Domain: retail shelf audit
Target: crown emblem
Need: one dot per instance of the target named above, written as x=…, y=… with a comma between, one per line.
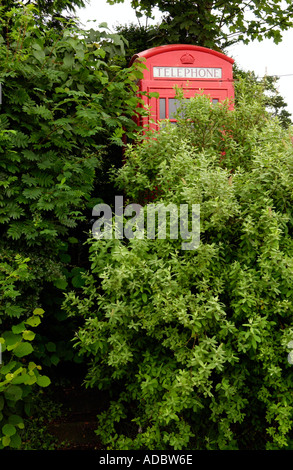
x=187, y=59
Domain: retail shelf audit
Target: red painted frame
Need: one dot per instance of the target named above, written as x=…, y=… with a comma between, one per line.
x=184, y=55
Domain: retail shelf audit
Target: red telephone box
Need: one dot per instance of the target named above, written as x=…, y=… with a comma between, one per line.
x=192, y=68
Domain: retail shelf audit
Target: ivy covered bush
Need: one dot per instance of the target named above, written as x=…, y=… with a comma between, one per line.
x=193, y=346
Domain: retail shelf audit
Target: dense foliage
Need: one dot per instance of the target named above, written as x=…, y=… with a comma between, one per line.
x=193, y=346
x=273, y=100
x=215, y=23
x=18, y=376
x=52, y=12
x=64, y=101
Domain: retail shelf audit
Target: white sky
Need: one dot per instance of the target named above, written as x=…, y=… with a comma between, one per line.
x=260, y=57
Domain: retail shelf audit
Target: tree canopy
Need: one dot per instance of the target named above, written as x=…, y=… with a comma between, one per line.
x=216, y=22
x=54, y=12
x=48, y=6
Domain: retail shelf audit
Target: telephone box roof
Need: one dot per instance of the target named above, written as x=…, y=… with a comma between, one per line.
x=176, y=47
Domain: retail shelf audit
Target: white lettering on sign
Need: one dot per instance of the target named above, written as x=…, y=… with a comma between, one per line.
x=187, y=72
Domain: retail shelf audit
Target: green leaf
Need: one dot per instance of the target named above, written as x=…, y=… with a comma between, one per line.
x=15, y=442
x=68, y=60
x=38, y=311
x=11, y=339
x=23, y=349
x=39, y=55
x=78, y=281
x=60, y=284
x=16, y=420
x=103, y=25
x=18, y=328
x=21, y=379
x=6, y=441
x=14, y=311
x=51, y=347
x=8, y=430
x=43, y=381
x=33, y=321
x=55, y=359
x=28, y=335
x=8, y=367
x=72, y=240
x=154, y=94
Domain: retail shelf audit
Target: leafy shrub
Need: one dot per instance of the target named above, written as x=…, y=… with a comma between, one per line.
x=193, y=345
x=18, y=375
x=62, y=104
x=64, y=101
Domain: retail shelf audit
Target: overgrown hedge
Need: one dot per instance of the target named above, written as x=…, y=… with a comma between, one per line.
x=64, y=101
x=193, y=346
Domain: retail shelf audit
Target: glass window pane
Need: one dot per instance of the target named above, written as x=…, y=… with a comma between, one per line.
x=162, y=108
x=173, y=106
x=215, y=100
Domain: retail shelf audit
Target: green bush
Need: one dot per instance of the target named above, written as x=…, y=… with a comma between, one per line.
x=64, y=102
x=193, y=345
x=18, y=375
